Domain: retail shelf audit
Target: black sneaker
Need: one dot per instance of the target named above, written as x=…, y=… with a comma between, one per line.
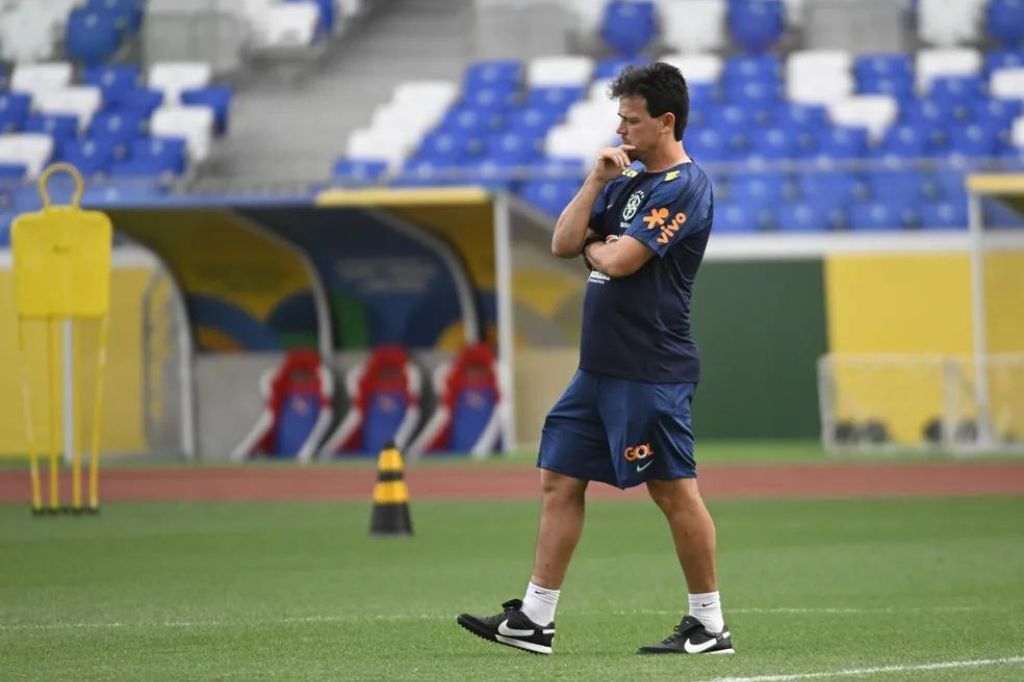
x=511, y=628
x=690, y=637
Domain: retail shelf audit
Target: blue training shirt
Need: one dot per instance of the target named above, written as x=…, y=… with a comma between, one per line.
x=638, y=327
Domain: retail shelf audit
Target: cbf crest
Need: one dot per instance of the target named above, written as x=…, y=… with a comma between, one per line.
x=636, y=199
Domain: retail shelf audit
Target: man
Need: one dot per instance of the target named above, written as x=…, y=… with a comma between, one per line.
x=625, y=417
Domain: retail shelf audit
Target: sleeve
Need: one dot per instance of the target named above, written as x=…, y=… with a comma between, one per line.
x=596, y=222
x=672, y=212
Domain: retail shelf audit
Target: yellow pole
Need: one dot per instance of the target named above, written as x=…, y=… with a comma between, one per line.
x=33, y=451
x=54, y=384
x=94, y=454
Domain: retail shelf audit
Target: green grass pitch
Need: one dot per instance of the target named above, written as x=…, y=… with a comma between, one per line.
x=293, y=591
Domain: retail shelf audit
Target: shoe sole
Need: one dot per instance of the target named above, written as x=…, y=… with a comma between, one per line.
x=641, y=652
x=481, y=632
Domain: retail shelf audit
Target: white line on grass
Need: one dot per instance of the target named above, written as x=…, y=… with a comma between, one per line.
x=854, y=672
x=399, y=617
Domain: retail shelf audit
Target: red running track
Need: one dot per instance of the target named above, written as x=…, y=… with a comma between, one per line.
x=442, y=481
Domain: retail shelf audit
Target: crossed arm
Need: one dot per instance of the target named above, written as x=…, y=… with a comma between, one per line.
x=617, y=257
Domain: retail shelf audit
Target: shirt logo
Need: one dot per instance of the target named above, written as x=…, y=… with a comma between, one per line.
x=671, y=175
x=668, y=231
x=633, y=205
x=657, y=218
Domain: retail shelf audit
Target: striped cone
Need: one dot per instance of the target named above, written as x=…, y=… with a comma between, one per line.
x=390, y=496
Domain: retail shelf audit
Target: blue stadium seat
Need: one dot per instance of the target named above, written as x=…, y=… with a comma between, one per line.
x=14, y=108
x=444, y=147
x=997, y=113
x=756, y=25
x=841, y=142
x=973, y=141
x=499, y=74
x=883, y=65
x=550, y=196
x=900, y=89
x=802, y=217
x=762, y=67
x=944, y=215
x=830, y=188
x=92, y=36
x=754, y=93
x=532, y=120
x=774, y=144
x=553, y=98
x=164, y=155
x=12, y=171
x=359, y=171
x=88, y=156
x=120, y=128
x=62, y=127
x=708, y=145
x=805, y=117
x=425, y=173
x=736, y=218
x=761, y=187
x=949, y=185
x=957, y=95
x=553, y=168
x=627, y=26
x=1004, y=21
x=1003, y=59
x=610, y=67
x=875, y=216
x=896, y=186
x=488, y=99
x=218, y=98
x=903, y=141
x=468, y=121
x=514, y=148
x=141, y=101
x=113, y=79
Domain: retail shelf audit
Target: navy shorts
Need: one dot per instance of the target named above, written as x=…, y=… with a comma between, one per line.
x=619, y=432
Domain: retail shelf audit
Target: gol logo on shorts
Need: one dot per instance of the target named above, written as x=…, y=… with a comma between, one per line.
x=642, y=451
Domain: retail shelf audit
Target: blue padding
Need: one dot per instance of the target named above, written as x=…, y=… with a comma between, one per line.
x=299, y=412
x=628, y=26
x=756, y=25
x=470, y=415
x=383, y=417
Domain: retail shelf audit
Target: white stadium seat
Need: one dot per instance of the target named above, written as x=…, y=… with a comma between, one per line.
x=803, y=62
x=288, y=25
x=570, y=141
x=36, y=78
x=1007, y=83
x=698, y=67
x=932, y=64
x=370, y=144
x=81, y=100
x=30, y=32
x=693, y=25
x=194, y=123
x=172, y=78
x=32, y=150
x=559, y=71
x=874, y=112
x=1017, y=134
x=948, y=23
x=425, y=93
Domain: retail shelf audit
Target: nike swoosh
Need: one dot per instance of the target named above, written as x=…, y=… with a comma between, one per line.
x=699, y=648
x=504, y=629
x=641, y=468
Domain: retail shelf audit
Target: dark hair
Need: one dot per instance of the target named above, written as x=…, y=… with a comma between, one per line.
x=662, y=85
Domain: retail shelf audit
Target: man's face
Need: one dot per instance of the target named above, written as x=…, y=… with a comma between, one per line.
x=638, y=128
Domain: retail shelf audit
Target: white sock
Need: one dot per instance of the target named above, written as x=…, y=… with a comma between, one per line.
x=707, y=608
x=539, y=604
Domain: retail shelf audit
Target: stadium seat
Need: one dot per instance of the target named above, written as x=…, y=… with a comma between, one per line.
x=172, y=78
x=731, y=218
x=875, y=113
x=163, y=157
x=502, y=74
x=195, y=124
x=874, y=216
x=1003, y=59
x=89, y=156
x=559, y=71
x=549, y=196
x=60, y=127
x=693, y=26
x=760, y=67
x=217, y=98
x=610, y=67
x=467, y=418
x=903, y=141
x=14, y=108
x=284, y=26
x=112, y=79
x=119, y=128
x=1004, y=21
x=384, y=396
x=756, y=25
x=696, y=67
x=92, y=36
x=82, y=101
x=358, y=171
x=947, y=23
x=298, y=398
x=842, y=143
x=943, y=215
x=627, y=26
x=932, y=64
x=802, y=217
x=39, y=77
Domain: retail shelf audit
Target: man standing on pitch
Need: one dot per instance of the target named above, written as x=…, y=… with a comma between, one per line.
x=625, y=417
